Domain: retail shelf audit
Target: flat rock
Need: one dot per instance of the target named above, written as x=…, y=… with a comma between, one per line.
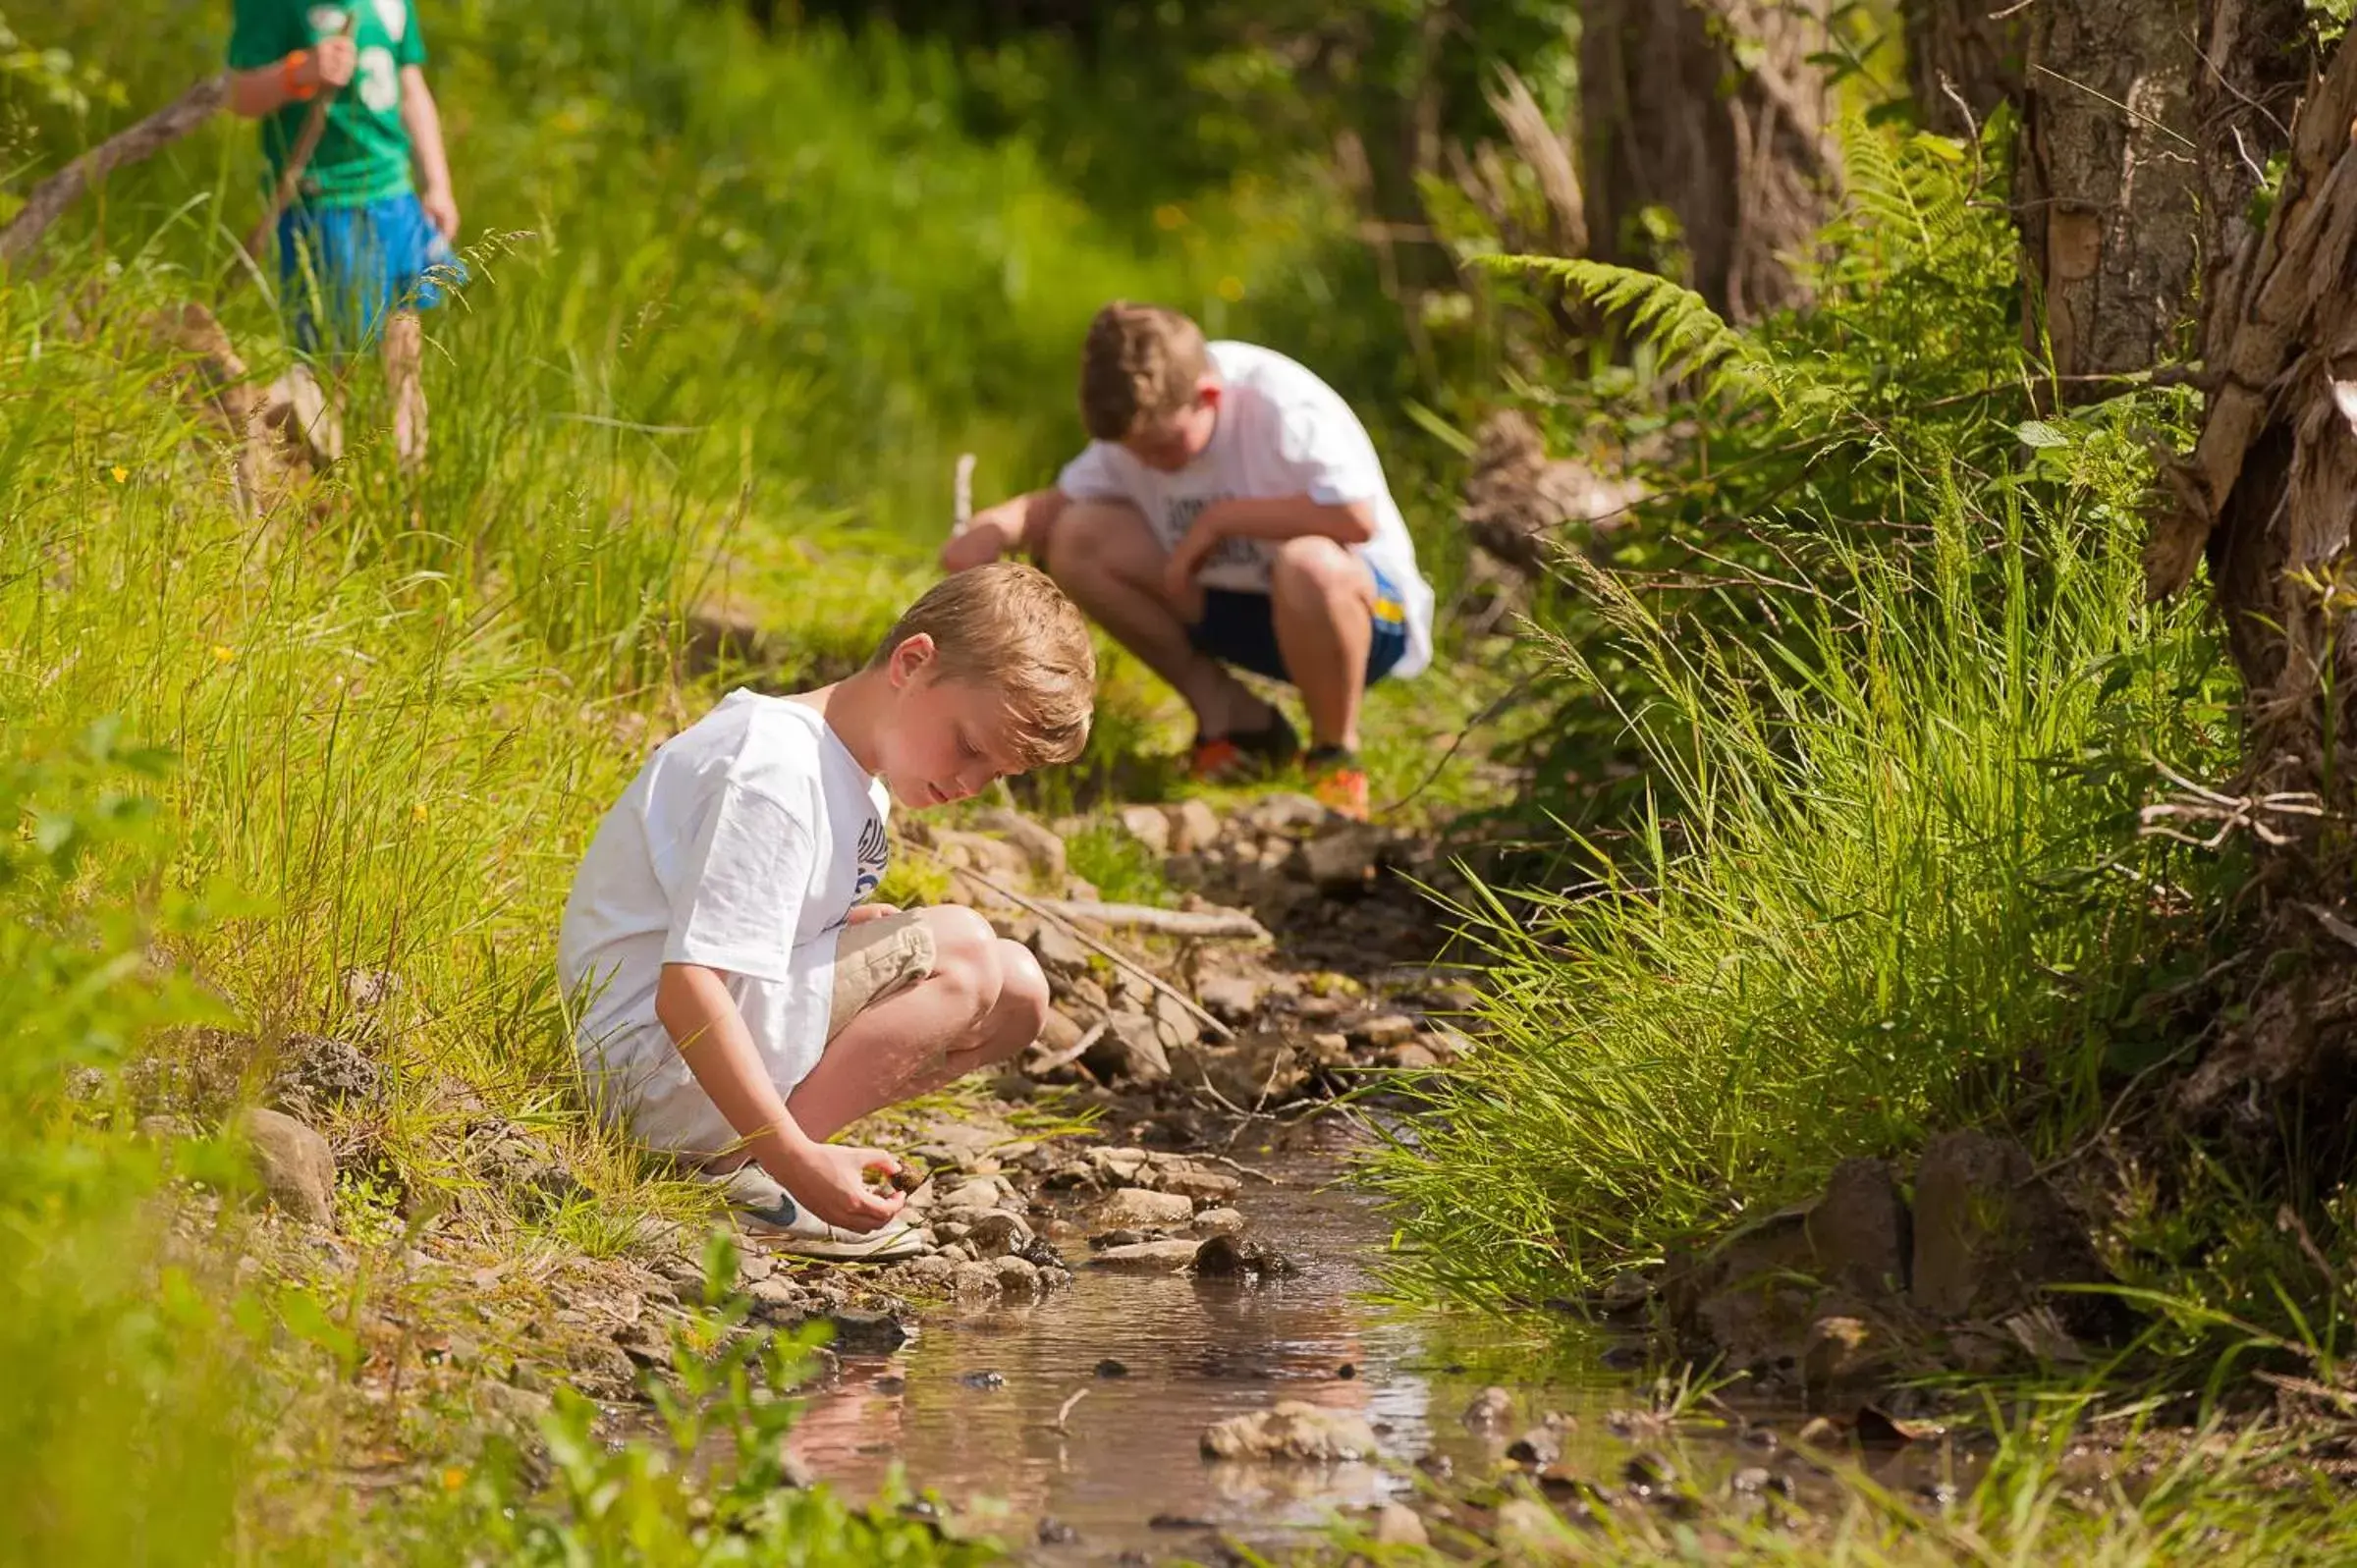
x=1149, y=1257
x=1231, y=999
x=866, y=1333
x=970, y=1277
x=1194, y=826
x=1292, y=1430
x=298, y=1172
x=1198, y=1182
x=1281, y=812
x=1042, y=850
x=1341, y=859
x=1148, y=826
x=967, y=1199
x=1220, y=1222
x=1014, y=1275
x=1859, y=1233
x=1398, y=1525
x=1060, y=954
x=1137, y=1209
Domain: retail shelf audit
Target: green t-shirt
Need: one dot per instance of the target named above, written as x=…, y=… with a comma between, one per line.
x=364, y=153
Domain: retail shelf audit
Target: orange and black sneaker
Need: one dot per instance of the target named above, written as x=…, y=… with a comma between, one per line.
x=1338, y=782
x=1245, y=753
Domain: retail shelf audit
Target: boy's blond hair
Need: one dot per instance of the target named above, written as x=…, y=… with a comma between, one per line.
x=1008, y=626
x=1140, y=364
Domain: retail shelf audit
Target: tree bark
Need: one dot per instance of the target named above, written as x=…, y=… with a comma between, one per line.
x=2107, y=186
x=2271, y=492
x=1965, y=59
x=1730, y=140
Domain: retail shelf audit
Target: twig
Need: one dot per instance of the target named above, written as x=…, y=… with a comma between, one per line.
x=961, y=493
x=1193, y=924
x=1495, y=708
x=1095, y=944
x=1066, y=1409
x=1070, y=1054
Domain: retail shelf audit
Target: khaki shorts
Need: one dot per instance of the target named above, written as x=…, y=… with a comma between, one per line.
x=876, y=959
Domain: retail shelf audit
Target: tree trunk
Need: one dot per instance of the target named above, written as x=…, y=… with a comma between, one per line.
x=2270, y=490
x=1712, y=110
x=2255, y=61
x=1963, y=61
x=2107, y=186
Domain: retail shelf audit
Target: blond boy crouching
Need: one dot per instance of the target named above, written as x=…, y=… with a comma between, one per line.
x=744, y=1003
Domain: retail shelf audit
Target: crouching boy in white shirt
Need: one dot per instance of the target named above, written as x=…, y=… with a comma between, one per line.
x=741, y=1004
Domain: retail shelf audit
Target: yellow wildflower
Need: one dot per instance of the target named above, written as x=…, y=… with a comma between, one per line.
x=417, y=811
x=122, y=474
x=223, y=653
x=453, y=1479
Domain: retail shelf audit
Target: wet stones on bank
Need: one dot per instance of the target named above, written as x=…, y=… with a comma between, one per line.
x=480, y=1259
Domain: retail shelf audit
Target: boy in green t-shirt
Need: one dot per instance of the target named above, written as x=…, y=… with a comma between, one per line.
x=367, y=238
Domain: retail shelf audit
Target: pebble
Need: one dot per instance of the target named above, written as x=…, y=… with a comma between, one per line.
x=998, y=1233
x=983, y=1378
x=1490, y=1407
x=972, y=1278
x=1015, y=1275
x=1220, y=1222
x=1110, y=1368
x=1054, y=1531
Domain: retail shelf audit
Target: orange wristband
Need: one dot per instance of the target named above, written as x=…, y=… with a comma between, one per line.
x=293, y=62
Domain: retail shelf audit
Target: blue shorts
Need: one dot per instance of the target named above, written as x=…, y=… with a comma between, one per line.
x=347, y=268
x=1239, y=628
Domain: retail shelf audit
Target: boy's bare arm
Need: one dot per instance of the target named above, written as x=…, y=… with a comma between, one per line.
x=693, y=1003
x=422, y=117
x=1018, y=521
x=303, y=73
x=1348, y=522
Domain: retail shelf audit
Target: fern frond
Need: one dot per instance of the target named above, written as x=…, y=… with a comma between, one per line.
x=1672, y=319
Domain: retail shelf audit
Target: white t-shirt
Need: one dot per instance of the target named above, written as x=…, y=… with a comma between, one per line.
x=743, y=846
x=1282, y=432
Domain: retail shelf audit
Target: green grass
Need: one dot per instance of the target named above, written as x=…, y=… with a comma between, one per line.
x=736, y=305
x=1893, y=883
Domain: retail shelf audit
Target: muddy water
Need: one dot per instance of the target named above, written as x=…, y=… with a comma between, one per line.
x=970, y=1409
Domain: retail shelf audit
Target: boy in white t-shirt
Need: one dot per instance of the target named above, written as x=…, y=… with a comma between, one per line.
x=1229, y=511
x=739, y=1003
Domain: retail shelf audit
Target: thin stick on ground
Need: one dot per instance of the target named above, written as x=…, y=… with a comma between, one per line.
x=1095, y=944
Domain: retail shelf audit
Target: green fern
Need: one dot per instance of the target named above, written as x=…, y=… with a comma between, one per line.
x=1673, y=320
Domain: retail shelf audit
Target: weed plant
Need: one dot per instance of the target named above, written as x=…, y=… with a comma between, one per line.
x=1883, y=876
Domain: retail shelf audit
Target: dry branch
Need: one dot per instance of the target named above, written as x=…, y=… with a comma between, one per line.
x=53, y=195
x=1193, y=924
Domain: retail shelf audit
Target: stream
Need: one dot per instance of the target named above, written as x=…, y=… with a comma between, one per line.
x=969, y=1409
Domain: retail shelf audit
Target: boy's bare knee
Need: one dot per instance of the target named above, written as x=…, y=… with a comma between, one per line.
x=1093, y=539
x=1314, y=566
x=964, y=952
x=1022, y=990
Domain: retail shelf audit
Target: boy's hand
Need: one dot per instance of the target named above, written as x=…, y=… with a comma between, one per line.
x=830, y=1180
x=333, y=60
x=862, y=914
x=441, y=210
x=978, y=545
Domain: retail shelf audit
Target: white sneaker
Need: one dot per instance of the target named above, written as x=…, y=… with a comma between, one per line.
x=767, y=1211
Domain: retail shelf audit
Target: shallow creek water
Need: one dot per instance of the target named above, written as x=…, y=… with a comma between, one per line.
x=1125, y=1472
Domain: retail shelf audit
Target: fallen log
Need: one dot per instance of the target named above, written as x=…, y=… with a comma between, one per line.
x=1193, y=924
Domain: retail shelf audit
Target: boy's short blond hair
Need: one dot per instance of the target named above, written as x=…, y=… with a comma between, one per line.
x=1008, y=626
x=1140, y=364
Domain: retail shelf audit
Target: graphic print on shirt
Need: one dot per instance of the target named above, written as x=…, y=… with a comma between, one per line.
x=1179, y=515
x=874, y=852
